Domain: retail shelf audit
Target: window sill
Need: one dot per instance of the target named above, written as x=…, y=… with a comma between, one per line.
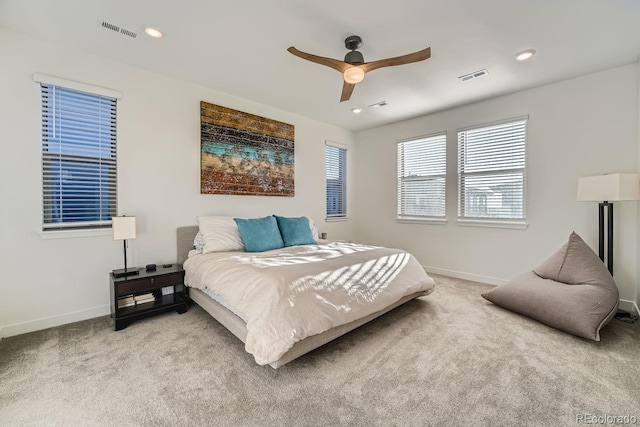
x=518, y=225
x=429, y=221
x=72, y=234
x=336, y=219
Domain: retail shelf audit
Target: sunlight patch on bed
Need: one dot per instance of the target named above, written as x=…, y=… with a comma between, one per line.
x=362, y=282
x=301, y=254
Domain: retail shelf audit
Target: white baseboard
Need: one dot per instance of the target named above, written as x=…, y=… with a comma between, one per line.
x=624, y=304
x=465, y=276
x=50, y=322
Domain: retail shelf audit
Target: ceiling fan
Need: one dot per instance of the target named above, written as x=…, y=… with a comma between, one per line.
x=353, y=67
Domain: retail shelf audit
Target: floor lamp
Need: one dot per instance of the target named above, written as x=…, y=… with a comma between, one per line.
x=605, y=189
x=124, y=228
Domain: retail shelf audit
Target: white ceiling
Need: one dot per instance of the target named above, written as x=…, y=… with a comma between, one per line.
x=239, y=46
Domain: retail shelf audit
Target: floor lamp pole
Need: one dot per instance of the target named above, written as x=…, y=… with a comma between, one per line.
x=601, y=209
x=125, y=256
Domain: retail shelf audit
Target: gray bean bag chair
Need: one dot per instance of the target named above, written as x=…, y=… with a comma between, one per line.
x=572, y=291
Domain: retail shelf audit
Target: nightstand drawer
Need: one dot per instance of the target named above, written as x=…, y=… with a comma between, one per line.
x=142, y=284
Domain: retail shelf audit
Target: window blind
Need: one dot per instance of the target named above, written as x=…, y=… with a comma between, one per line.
x=78, y=158
x=491, y=171
x=421, y=177
x=336, y=171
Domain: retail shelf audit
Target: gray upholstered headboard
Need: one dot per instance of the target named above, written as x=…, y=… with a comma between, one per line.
x=185, y=236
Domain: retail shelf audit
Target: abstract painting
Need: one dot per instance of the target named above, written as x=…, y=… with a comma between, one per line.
x=241, y=153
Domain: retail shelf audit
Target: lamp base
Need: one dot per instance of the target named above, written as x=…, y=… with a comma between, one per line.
x=130, y=271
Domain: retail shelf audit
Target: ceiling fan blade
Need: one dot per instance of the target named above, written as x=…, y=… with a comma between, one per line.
x=329, y=62
x=347, y=90
x=421, y=55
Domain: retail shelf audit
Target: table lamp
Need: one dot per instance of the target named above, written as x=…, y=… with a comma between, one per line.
x=124, y=228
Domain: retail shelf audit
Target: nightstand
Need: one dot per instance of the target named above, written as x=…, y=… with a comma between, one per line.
x=156, y=292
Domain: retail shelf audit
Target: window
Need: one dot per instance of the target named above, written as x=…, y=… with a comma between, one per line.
x=491, y=172
x=336, y=170
x=78, y=158
x=421, y=177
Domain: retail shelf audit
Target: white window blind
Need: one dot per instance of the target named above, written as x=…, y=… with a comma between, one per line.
x=491, y=171
x=336, y=170
x=421, y=177
x=78, y=158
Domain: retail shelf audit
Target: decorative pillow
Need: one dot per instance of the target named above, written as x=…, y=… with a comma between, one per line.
x=198, y=245
x=259, y=234
x=571, y=291
x=198, y=241
x=220, y=234
x=295, y=231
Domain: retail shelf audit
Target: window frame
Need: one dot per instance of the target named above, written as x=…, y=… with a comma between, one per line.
x=516, y=223
x=342, y=216
x=424, y=219
x=50, y=229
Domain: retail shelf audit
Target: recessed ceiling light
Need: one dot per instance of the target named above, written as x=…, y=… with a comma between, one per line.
x=356, y=110
x=525, y=54
x=153, y=32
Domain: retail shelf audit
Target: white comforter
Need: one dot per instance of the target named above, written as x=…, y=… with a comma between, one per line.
x=288, y=294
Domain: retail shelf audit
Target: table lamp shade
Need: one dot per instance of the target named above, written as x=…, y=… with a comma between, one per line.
x=611, y=188
x=123, y=227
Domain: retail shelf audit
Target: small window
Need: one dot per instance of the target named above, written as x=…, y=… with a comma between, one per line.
x=336, y=170
x=491, y=172
x=421, y=177
x=78, y=159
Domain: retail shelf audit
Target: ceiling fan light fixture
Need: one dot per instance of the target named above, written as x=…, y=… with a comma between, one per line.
x=353, y=68
x=525, y=54
x=353, y=75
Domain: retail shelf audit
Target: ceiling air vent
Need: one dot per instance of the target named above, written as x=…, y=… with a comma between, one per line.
x=473, y=75
x=109, y=26
x=378, y=104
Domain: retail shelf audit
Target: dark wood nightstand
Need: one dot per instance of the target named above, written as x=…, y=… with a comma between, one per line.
x=124, y=289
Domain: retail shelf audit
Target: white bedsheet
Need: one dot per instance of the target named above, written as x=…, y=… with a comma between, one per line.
x=288, y=294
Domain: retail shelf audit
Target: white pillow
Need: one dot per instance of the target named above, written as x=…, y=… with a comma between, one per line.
x=220, y=234
x=314, y=230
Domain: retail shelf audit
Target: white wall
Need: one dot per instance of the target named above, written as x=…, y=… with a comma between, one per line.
x=578, y=127
x=50, y=282
x=637, y=297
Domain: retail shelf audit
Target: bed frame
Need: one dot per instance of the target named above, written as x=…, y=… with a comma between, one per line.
x=238, y=327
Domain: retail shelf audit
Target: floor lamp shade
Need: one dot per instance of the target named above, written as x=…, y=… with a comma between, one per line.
x=615, y=187
x=124, y=228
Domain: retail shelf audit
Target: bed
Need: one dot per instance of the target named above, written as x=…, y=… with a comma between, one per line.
x=240, y=320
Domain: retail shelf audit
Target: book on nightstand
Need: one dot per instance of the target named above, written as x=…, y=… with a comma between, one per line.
x=126, y=302
x=144, y=298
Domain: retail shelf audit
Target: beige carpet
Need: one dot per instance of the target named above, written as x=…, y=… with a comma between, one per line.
x=447, y=359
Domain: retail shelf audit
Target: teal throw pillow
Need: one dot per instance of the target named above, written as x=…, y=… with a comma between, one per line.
x=295, y=231
x=259, y=234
